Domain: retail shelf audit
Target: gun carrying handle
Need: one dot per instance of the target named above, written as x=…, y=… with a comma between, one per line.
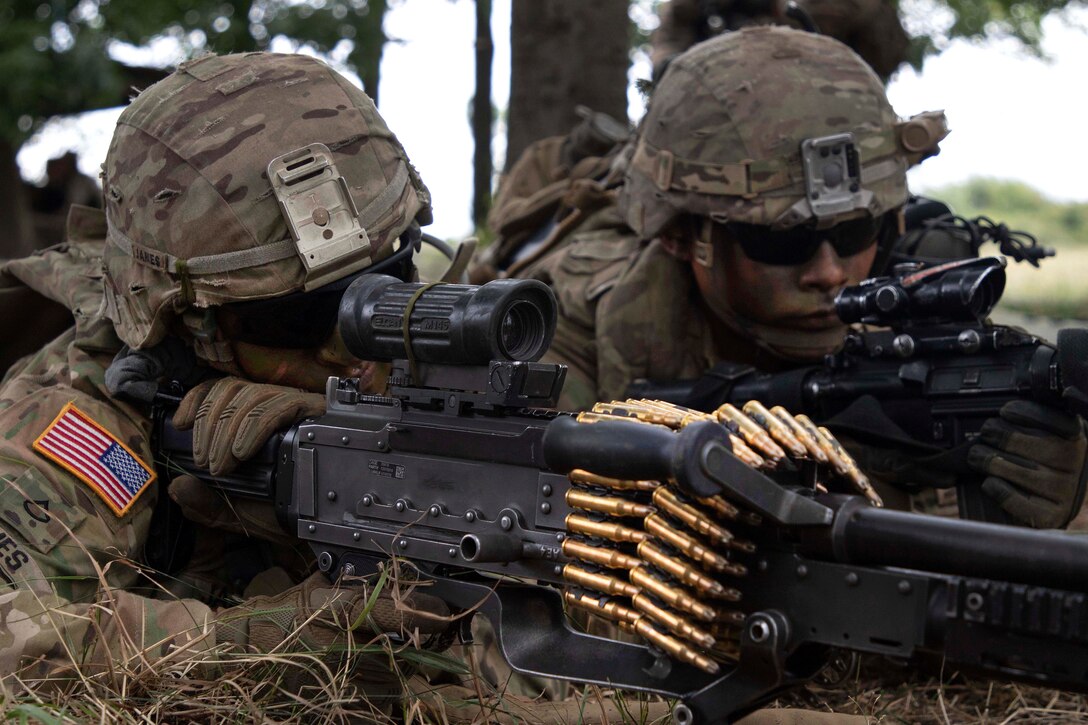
x=617, y=449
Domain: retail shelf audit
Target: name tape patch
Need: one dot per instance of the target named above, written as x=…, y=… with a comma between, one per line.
x=95, y=456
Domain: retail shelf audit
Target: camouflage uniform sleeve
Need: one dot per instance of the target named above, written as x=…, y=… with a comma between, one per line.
x=67, y=556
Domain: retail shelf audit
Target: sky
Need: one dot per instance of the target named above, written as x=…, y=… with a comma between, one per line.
x=1013, y=116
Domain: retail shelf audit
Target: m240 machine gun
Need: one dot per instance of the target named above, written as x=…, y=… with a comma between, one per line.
x=724, y=568
x=925, y=372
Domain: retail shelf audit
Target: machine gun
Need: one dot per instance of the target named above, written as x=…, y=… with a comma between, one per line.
x=740, y=581
x=936, y=366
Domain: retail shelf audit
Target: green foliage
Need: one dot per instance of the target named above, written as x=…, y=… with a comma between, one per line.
x=986, y=19
x=1053, y=223
x=54, y=56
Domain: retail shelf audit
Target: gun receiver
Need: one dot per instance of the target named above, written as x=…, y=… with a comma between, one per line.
x=937, y=367
x=740, y=584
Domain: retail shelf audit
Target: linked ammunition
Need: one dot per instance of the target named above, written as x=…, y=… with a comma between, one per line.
x=606, y=504
x=753, y=434
x=599, y=555
x=642, y=412
x=671, y=595
x=675, y=623
x=684, y=572
x=598, y=582
x=675, y=648
x=811, y=444
x=604, y=530
x=690, y=516
x=851, y=470
x=687, y=545
x=633, y=621
x=618, y=484
x=679, y=416
x=778, y=430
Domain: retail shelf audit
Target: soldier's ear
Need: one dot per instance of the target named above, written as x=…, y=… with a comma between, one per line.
x=677, y=238
x=679, y=248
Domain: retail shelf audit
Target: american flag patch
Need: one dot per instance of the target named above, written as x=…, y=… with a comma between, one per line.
x=96, y=457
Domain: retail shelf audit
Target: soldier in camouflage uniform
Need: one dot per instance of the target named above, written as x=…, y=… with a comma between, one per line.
x=743, y=225
x=207, y=264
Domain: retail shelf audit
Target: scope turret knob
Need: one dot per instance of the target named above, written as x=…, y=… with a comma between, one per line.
x=969, y=341
x=889, y=298
x=903, y=345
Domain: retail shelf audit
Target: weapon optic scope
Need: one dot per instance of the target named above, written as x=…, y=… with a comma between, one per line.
x=965, y=290
x=453, y=324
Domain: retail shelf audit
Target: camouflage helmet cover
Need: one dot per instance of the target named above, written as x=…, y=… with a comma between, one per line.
x=723, y=134
x=193, y=220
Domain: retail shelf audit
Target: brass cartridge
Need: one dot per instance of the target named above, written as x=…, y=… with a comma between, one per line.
x=671, y=595
x=810, y=442
x=690, y=516
x=686, y=544
x=604, y=529
x=673, y=622
x=674, y=647
x=599, y=555
x=752, y=433
x=683, y=572
x=606, y=504
x=592, y=479
x=609, y=608
x=778, y=430
x=598, y=582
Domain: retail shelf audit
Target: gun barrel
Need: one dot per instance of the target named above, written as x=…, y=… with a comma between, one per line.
x=865, y=535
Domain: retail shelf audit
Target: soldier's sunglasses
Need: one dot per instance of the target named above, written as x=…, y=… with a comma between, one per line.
x=797, y=245
x=299, y=320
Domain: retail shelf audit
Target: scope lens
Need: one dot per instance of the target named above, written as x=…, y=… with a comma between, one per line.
x=521, y=332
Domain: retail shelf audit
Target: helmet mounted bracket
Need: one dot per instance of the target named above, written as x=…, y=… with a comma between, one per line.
x=318, y=208
x=832, y=170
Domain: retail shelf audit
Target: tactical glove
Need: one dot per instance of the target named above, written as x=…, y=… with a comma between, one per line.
x=1034, y=460
x=233, y=418
x=332, y=622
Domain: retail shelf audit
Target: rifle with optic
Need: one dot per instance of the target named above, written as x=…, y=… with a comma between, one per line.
x=928, y=362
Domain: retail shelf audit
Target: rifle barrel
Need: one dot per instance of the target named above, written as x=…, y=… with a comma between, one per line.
x=864, y=535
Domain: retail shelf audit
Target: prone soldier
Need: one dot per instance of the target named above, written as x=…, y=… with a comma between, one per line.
x=242, y=194
x=768, y=174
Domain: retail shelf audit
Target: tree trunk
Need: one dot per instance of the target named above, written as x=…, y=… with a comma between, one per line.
x=482, y=117
x=18, y=239
x=565, y=53
x=370, y=41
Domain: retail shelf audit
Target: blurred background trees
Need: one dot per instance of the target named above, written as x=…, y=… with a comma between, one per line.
x=61, y=57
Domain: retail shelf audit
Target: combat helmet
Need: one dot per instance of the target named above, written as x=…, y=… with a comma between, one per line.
x=247, y=177
x=774, y=127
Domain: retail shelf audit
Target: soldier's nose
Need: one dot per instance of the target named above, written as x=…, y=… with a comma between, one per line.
x=825, y=271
